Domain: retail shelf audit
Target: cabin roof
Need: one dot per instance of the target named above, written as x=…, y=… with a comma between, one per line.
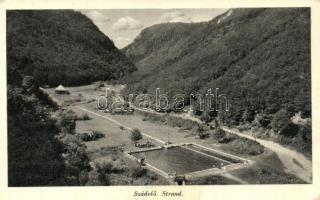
x=61, y=88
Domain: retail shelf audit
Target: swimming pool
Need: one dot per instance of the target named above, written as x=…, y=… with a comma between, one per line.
x=183, y=159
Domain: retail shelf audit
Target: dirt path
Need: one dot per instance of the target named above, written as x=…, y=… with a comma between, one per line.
x=295, y=162
x=232, y=177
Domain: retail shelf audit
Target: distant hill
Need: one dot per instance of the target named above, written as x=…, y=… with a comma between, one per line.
x=259, y=58
x=61, y=47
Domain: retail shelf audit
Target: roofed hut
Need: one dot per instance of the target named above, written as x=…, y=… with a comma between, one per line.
x=61, y=90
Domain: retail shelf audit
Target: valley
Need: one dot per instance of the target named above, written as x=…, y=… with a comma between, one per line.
x=60, y=63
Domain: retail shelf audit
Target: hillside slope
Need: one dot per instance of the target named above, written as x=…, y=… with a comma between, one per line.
x=259, y=58
x=61, y=47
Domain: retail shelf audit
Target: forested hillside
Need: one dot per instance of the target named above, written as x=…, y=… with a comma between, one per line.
x=258, y=58
x=55, y=47
x=61, y=47
x=42, y=150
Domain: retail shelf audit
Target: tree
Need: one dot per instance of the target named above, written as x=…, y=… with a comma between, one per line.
x=135, y=135
x=280, y=121
x=96, y=178
x=262, y=120
x=75, y=159
x=30, y=84
x=196, y=107
x=219, y=133
x=201, y=131
x=303, y=141
x=205, y=117
x=248, y=115
x=66, y=121
x=34, y=154
x=306, y=131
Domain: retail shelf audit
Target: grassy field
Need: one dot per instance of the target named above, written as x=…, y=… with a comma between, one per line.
x=114, y=136
x=267, y=169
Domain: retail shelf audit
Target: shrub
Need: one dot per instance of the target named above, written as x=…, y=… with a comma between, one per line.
x=84, y=116
x=219, y=133
x=227, y=138
x=205, y=117
x=137, y=172
x=201, y=131
x=118, y=166
x=169, y=120
x=182, y=123
x=135, y=135
x=246, y=146
x=68, y=114
x=203, y=135
x=98, y=85
x=94, y=135
x=83, y=177
x=95, y=178
x=290, y=130
x=30, y=84
x=83, y=136
x=262, y=120
x=153, y=118
x=97, y=134
x=283, y=140
x=280, y=121
x=103, y=165
x=211, y=180
x=303, y=141
x=66, y=121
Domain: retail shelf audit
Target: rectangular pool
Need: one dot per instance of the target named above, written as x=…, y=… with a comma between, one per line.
x=181, y=159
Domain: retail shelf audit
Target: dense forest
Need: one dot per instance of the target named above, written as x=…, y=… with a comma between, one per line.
x=42, y=149
x=61, y=47
x=258, y=58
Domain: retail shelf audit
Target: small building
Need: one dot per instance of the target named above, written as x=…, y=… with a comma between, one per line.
x=61, y=90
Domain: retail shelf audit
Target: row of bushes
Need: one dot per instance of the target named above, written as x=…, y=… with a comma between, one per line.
x=238, y=144
x=173, y=121
x=91, y=136
x=69, y=114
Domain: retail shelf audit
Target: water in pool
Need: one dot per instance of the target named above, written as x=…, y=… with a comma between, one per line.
x=180, y=160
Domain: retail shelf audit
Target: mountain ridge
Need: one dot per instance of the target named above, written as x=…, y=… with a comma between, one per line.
x=61, y=47
x=263, y=46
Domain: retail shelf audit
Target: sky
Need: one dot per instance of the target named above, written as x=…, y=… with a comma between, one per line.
x=123, y=26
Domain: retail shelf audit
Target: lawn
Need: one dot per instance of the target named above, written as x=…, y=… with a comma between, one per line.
x=268, y=169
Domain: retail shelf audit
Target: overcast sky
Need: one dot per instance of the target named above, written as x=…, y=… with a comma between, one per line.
x=122, y=26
